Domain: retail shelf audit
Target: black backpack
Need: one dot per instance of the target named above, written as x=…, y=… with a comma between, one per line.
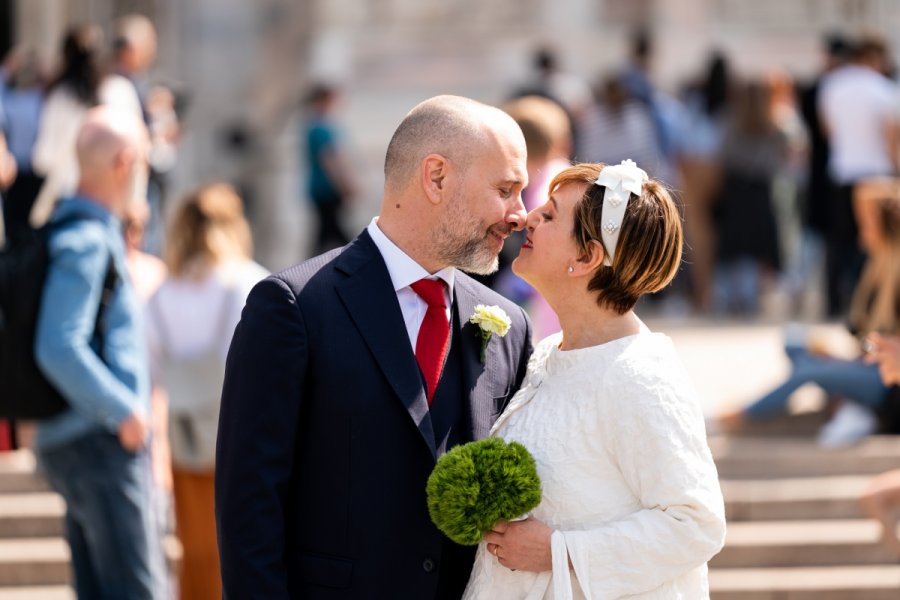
x=24, y=391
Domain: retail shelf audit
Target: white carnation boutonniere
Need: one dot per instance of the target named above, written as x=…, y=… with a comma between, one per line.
x=490, y=320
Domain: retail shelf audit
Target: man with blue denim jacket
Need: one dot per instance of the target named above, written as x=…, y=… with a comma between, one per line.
x=95, y=453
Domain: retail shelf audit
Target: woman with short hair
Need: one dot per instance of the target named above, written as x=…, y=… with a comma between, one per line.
x=631, y=505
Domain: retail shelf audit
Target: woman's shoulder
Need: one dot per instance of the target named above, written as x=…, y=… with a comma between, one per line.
x=116, y=84
x=62, y=103
x=648, y=361
x=240, y=274
x=118, y=92
x=648, y=384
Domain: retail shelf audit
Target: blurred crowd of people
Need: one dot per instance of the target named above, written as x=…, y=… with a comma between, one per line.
x=776, y=178
x=84, y=150
x=765, y=166
x=41, y=108
x=789, y=190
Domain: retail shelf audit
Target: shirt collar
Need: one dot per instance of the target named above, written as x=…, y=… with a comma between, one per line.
x=403, y=270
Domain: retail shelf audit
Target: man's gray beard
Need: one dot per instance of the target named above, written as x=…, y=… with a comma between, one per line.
x=472, y=256
x=470, y=250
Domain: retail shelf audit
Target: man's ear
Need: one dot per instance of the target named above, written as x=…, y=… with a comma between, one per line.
x=124, y=159
x=434, y=170
x=590, y=261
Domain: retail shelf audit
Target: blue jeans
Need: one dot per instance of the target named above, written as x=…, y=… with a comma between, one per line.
x=853, y=380
x=116, y=550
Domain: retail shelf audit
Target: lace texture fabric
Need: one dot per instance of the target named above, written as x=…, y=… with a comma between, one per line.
x=629, y=485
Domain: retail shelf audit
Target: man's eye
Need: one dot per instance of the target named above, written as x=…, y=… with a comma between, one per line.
x=505, y=193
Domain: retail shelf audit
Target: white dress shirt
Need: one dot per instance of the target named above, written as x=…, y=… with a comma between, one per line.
x=405, y=271
x=858, y=104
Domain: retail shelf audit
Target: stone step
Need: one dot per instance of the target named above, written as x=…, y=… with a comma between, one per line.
x=34, y=561
x=802, y=543
x=791, y=426
x=45, y=561
x=37, y=514
x=801, y=498
x=871, y=582
x=17, y=473
x=743, y=458
x=42, y=592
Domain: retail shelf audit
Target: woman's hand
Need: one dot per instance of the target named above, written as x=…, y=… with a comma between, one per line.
x=521, y=545
x=885, y=350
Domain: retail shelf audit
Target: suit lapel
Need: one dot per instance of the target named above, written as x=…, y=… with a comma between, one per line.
x=370, y=299
x=475, y=384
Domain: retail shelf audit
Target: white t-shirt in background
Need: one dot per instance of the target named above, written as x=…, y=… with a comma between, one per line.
x=857, y=105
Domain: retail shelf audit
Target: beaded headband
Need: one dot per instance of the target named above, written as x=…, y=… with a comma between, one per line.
x=620, y=181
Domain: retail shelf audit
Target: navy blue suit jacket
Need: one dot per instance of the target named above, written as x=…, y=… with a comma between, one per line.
x=325, y=438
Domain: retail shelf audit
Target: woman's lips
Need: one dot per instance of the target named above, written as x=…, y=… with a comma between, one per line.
x=527, y=243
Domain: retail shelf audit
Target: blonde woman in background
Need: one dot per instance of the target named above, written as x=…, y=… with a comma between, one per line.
x=190, y=321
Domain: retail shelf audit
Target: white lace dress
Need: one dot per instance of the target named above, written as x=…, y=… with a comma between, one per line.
x=629, y=485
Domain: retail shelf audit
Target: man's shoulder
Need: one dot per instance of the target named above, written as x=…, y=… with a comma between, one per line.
x=851, y=79
x=78, y=236
x=314, y=271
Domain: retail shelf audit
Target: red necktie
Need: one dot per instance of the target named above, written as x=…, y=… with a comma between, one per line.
x=434, y=334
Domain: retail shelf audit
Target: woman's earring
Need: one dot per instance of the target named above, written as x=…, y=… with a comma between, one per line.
x=571, y=269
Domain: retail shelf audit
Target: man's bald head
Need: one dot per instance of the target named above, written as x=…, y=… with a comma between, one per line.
x=104, y=134
x=135, y=42
x=112, y=149
x=452, y=126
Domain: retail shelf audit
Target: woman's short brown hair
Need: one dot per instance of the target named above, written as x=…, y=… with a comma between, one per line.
x=209, y=227
x=648, y=253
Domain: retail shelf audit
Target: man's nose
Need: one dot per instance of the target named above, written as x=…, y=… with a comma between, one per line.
x=517, y=215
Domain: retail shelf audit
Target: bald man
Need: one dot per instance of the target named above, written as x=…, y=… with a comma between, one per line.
x=94, y=453
x=134, y=45
x=351, y=373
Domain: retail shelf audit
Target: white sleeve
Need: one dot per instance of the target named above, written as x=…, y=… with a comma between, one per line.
x=657, y=438
x=55, y=133
x=53, y=154
x=154, y=342
x=889, y=104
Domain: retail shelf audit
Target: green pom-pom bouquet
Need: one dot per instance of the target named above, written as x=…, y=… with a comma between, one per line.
x=475, y=485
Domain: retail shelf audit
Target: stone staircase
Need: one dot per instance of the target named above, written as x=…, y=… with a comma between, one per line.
x=795, y=530
x=34, y=557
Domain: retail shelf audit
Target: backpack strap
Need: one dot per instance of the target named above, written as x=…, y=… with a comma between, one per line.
x=109, y=285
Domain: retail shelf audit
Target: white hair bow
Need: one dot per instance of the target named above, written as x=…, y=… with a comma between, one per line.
x=620, y=182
